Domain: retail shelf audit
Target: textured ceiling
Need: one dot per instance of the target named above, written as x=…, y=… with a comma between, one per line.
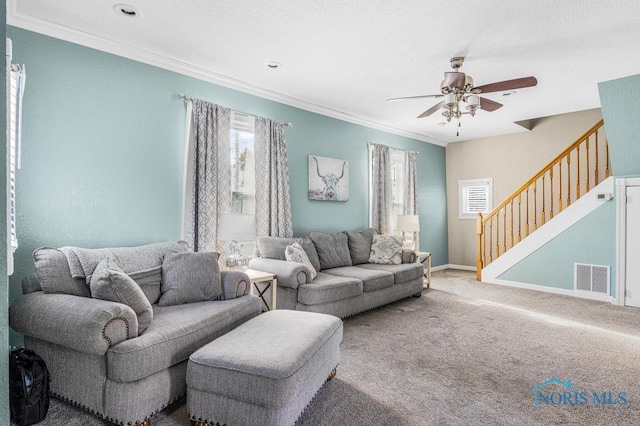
x=345, y=59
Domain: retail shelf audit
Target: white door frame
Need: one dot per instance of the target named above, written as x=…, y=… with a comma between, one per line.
x=621, y=235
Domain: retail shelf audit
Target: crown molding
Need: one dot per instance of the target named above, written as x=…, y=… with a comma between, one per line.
x=165, y=62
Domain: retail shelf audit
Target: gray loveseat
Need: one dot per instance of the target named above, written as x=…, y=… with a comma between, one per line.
x=97, y=356
x=346, y=283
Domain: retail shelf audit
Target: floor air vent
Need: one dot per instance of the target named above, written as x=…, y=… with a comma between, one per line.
x=591, y=278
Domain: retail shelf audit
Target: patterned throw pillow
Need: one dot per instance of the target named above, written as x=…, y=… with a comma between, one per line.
x=295, y=253
x=386, y=250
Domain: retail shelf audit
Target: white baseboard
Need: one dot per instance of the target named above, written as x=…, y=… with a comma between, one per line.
x=452, y=266
x=562, y=291
x=462, y=267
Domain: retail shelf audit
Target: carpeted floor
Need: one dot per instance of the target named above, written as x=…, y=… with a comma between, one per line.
x=468, y=353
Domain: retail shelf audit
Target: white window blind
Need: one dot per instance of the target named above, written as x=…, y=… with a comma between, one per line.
x=474, y=197
x=15, y=88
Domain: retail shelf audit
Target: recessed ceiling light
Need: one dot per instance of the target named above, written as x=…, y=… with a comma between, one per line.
x=273, y=65
x=441, y=124
x=127, y=10
x=509, y=93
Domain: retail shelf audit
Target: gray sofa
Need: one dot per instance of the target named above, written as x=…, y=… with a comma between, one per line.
x=96, y=355
x=346, y=283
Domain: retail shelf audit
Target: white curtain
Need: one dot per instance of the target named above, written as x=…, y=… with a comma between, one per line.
x=273, y=200
x=381, y=189
x=207, y=175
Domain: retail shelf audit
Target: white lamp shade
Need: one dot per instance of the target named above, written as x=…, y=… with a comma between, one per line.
x=408, y=223
x=237, y=227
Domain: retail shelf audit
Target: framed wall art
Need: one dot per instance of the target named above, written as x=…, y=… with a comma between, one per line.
x=328, y=179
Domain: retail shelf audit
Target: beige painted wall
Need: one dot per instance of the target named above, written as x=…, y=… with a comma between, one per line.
x=510, y=160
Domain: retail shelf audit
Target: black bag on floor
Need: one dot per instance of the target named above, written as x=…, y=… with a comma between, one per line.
x=28, y=387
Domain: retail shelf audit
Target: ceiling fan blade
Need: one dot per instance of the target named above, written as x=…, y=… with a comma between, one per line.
x=454, y=80
x=404, y=98
x=518, y=83
x=431, y=110
x=489, y=105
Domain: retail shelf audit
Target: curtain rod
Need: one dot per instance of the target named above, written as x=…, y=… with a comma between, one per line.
x=390, y=147
x=186, y=99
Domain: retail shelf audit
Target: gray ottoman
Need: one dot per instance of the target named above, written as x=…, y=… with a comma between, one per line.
x=265, y=371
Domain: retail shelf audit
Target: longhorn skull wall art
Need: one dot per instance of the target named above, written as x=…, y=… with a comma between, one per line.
x=328, y=179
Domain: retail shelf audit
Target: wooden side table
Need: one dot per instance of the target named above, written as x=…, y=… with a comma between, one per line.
x=425, y=256
x=261, y=282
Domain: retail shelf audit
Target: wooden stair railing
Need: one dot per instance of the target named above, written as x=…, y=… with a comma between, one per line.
x=565, y=179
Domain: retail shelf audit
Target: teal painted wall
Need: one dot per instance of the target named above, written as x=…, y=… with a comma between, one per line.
x=103, y=154
x=591, y=240
x=620, y=110
x=4, y=283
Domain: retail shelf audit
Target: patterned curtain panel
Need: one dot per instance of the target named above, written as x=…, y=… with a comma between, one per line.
x=273, y=201
x=410, y=202
x=381, y=189
x=209, y=176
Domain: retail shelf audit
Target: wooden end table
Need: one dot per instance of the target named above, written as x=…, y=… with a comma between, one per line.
x=261, y=282
x=425, y=256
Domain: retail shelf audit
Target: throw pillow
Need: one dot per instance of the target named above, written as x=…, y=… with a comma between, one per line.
x=190, y=277
x=295, y=253
x=333, y=249
x=386, y=250
x=52, y=268
x=110, y=282
x=360, y=245
x=274, y=248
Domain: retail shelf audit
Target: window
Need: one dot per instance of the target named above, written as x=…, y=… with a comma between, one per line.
x=398, y=179
x=474, y=197
x=399, y=186
x=243, y=185
x=14, y=90
x=243, y=169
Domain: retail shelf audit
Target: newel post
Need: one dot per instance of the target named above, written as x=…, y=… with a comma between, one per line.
x=479, y=232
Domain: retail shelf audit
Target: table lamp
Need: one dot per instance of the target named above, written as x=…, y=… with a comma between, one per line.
x=408, y=223
x=236, y=228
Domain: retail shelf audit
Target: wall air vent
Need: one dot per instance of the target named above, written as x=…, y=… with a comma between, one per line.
x=591, y=278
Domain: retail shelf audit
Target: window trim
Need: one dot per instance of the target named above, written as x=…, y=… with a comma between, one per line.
x=464, y=184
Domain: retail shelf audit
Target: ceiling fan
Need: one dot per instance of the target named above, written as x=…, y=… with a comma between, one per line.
x=457, y=88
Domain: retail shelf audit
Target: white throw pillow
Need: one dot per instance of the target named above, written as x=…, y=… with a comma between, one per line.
x=386, y=250
x=295, y=253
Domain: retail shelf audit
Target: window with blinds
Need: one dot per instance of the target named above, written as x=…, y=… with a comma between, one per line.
x=15, y=87
x=474, y=197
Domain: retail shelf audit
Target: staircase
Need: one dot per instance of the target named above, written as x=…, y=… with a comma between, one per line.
x=574, y=172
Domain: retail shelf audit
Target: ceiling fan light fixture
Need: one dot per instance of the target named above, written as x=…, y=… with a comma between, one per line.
x=450, y=99
x=473, y=102
x=458, y=87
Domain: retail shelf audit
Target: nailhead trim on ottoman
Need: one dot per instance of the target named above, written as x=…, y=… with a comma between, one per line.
x=265, y=371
